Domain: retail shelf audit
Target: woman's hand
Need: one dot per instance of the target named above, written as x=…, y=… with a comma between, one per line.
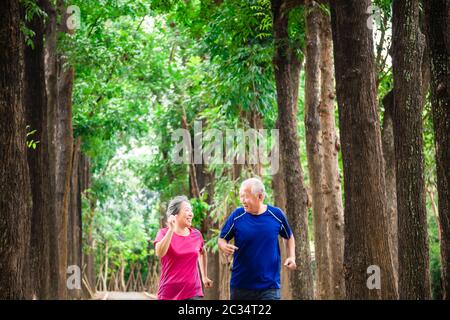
x=208, y=283
x=171, y=223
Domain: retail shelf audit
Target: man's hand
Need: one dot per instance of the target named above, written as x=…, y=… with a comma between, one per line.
x=228, y=249
x=208, y=283
x=290, y=263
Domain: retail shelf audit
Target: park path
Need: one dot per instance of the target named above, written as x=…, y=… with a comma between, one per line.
x=117, y=295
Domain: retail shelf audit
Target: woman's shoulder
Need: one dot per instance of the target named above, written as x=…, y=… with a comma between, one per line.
x=163, y=230
x=195, y=232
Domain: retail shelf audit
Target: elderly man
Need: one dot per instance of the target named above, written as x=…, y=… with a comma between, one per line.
x=255, y=227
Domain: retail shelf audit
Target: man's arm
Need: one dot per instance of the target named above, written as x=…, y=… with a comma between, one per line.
x=225, y=247
x=290, y=250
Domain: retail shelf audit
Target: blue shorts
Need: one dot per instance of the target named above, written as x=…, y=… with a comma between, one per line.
x=246, y=294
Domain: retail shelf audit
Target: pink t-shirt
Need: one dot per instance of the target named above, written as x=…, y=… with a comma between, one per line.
x=180, y=277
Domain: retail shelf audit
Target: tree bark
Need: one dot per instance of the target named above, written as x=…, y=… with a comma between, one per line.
x=279, y=196
x=51, y=74
x=213, y=257
x=287, y=71
x=332, y=179
x=74, y=218
x=255, y=122
x=105, y=273
x=438, y=24
x=64, y=143
x=391, y=187
x=35, y=101
x=408, y=45
x=15, y=190
x=87, y=245
x=366, y=229
x=314, y=149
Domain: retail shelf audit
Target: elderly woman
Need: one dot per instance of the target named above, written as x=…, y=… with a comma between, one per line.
x=180, y=247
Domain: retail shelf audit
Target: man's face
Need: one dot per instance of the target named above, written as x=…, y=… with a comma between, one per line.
x=251, y=202
x=184, y=217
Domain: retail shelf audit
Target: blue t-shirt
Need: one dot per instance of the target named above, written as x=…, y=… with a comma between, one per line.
x=256, y=263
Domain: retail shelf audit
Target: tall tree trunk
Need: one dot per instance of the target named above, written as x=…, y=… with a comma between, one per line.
x=213, y=257
x=15, y=191
x=278, y=186
x=122, y=284
x=438, y=24
x=35, y=100
x=279, y=196
x=391, y=187
x=51, y=74
x=366, y=229
x=232, y=174
x=253, y=162
x=194, y=190
x=314, y=149
x=105, y=272
x=87, y=245
x=287, y=71
x=64, y=143
x=332, y=178
x=408, y=44
x=74, y=218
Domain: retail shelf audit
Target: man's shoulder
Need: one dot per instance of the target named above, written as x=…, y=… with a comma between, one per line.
x=237, y=212
x=276, y=211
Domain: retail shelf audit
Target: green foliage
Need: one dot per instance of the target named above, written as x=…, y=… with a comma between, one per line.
x=31, y=143
x=32, y=11
x=200, y=209
x=430, y=185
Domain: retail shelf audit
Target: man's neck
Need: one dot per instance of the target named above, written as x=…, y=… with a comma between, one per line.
x=262, y=209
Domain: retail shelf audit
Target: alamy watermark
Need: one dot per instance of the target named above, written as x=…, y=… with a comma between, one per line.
x=229, y=146
x=374, y=280
x=374, y=15
x=74, y=20
x=74, y=279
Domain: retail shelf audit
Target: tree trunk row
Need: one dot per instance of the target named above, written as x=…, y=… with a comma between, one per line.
x=41, y=188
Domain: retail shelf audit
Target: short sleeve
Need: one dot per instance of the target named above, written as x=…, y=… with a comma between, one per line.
x=227, y=231
x=200, y=239
x=285, y=229
x=160, y=235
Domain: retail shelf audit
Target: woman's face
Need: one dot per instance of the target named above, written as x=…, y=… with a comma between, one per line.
x=184, y=217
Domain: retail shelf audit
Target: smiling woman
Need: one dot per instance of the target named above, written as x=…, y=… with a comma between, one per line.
x=180, y=247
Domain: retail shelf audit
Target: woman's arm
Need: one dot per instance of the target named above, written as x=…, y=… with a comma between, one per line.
x=203, y=263
x=162, y=246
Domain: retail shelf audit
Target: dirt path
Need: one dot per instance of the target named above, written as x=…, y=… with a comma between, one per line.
x=117, y=295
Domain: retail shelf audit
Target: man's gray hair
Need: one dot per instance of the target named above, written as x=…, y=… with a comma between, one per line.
x=174, y=206
x=256, y=185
